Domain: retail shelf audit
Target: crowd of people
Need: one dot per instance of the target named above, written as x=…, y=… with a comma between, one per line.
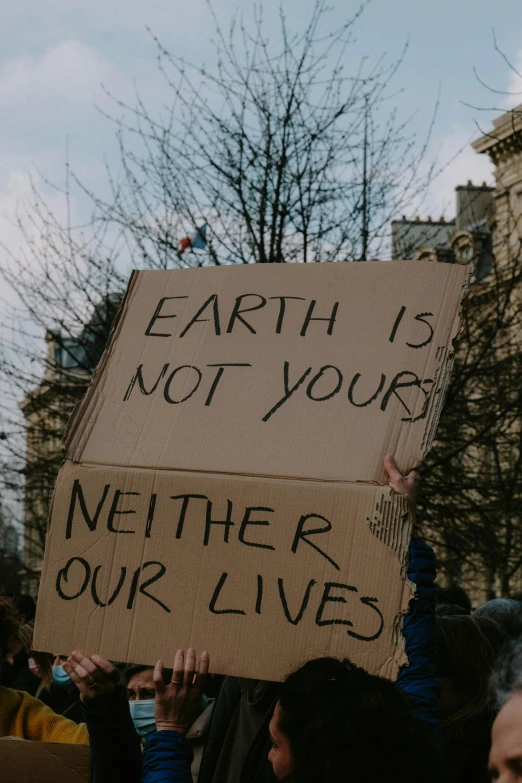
x=454, y=714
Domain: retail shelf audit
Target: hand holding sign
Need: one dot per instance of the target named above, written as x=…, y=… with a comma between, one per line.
x=404, y=485
x=94, y=677
x=179, y=703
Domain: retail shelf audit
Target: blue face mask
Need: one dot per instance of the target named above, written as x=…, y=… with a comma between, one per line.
x=61, y=677
x=142, y=714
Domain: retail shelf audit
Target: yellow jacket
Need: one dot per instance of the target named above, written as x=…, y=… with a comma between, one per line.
x=30, y=719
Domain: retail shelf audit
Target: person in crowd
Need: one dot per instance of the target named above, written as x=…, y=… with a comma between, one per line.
x=15, y=672
x=238, y=743
x=21, y=715
x=505, y=759
x=332, y=722
x=115, y=745
x=141, y=693
x=467, y=648
x=26, y=608
x=454, y=595
x=41, y=665
x=63, y=696
x=507, y=612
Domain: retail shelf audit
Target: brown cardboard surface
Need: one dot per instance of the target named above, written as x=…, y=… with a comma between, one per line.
x=44, y=762
x=329, y=437
x=246, y=631
x=293, y=548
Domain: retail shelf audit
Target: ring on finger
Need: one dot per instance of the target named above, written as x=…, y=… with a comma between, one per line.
x=92, y=685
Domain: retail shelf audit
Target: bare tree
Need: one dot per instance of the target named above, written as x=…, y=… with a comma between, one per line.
x=285, y=156
x=472, y=498
x=64, y=292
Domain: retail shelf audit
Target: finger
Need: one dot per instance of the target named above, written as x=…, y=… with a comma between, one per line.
x=204, y=662
x=390, y=466
x=178, y=668
x=72, y=674
x=190, y=666
x=83, y=661
x=106, y=667
x=83, y=674
x=157, y=677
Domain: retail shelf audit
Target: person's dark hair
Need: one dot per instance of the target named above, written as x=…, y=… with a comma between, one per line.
x=136, y=668
x=8, y=625
x=25, y=605
x=506, y=677
x=345, y=724
x=449, y=610
x=467, y=648
x=454, y=594
x=507, y=612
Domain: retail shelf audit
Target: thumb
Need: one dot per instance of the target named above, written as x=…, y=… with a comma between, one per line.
x=390, y=466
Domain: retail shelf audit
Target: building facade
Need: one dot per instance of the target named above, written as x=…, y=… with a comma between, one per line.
x=486, y=232
x=69, y=363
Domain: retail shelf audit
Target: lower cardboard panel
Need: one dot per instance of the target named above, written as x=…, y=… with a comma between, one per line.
x=263, y=573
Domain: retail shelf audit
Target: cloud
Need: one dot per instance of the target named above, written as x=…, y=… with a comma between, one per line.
x=514, y=86
x=69, y=73
x=457, y=163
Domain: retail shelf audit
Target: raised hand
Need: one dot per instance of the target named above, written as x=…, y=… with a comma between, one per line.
x=94, y=677
x=178, y=704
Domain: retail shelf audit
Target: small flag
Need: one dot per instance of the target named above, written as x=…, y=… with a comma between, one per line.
x=197, y=241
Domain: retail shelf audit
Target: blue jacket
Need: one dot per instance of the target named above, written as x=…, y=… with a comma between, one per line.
x=167, y=758
x=419, y=679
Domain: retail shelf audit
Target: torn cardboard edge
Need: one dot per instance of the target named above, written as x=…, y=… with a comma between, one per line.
x=82, y=405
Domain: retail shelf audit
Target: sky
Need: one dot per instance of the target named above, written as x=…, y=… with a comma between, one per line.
x=59, y=59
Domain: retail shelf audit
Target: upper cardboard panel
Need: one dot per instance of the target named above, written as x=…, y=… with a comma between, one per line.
x=312, y=371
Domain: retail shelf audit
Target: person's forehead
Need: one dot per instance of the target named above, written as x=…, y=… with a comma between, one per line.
x=140, y=679
x=273, y=727
x=507, y=728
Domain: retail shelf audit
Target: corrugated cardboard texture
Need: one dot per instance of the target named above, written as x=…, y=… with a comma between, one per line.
x=44, y=762
x=223, y=482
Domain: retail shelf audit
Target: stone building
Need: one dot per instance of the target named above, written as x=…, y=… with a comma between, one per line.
x=69, y=364
x=469, y=236
x=486, y=230
x=503, y=144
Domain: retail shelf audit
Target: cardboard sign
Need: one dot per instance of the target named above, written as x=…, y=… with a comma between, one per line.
x=223, y=487
x=44, y=762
